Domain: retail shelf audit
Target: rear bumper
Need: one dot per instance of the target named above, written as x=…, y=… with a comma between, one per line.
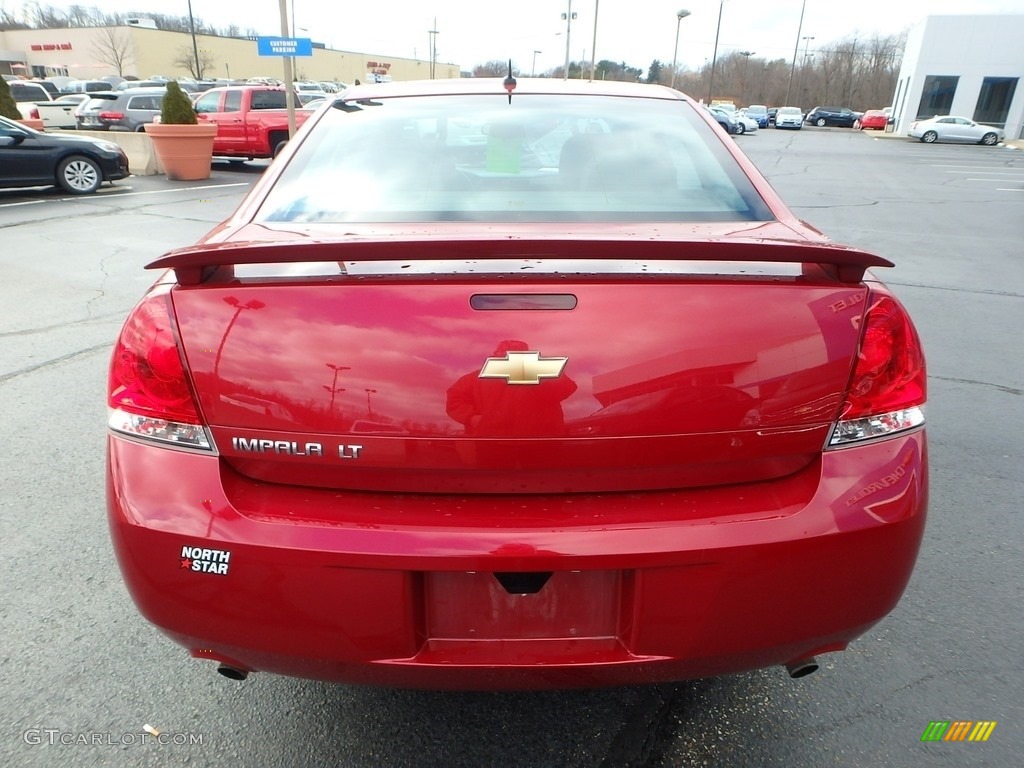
x=400, y=590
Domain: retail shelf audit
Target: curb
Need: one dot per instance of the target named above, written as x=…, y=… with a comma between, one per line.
x=1017, y=144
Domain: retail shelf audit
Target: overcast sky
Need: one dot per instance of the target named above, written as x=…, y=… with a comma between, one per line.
x=635, y=31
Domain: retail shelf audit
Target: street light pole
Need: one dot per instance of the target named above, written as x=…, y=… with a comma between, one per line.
x=714, y=55
x=568, y=28
x=681, y=14
x=743, y=80
x=807, y=41
x=803, y=69
x=533, y=69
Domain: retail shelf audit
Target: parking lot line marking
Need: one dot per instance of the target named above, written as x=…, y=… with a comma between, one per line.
x=1005, y=189
x=102, y=195
x=162, y=191
x=994, y=173
x=25, y=202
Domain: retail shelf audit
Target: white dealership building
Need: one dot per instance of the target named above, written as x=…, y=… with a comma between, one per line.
x=971, y=66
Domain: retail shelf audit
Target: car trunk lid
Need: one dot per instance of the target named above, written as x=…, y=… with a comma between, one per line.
x=477, y=381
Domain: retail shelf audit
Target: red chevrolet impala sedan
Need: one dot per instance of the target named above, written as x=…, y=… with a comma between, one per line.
x=493, y=385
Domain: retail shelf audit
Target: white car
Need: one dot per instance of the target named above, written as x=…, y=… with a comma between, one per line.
x=744, y=124
x=952, y=128
x=789, y=117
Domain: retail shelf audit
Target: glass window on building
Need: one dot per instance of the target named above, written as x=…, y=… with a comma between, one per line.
x=937, y=96
x=994, y=100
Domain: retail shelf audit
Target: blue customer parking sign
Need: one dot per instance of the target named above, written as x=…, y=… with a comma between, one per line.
x=284, y=46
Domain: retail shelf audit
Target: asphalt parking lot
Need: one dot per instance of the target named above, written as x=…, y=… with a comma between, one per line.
x=83, y=673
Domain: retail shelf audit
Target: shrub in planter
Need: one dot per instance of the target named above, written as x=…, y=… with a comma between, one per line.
x=176, y=109
x=183, y=145
x=8, y=106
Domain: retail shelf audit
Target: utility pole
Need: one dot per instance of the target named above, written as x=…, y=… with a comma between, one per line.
x=799, y=29
x=714, y=55
x=289, y=80
x=433, y=48
x=593, y=45
x=195, y=46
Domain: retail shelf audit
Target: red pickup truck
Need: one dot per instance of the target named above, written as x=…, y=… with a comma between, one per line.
x=252, y=120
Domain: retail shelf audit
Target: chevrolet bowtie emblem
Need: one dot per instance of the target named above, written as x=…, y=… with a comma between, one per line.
x=523, y=367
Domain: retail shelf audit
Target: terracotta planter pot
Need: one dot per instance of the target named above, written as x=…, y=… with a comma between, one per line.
x=184, y=151
x=32, y=123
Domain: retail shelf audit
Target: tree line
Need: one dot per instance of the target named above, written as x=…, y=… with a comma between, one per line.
x=35, y=15
x=854, y=72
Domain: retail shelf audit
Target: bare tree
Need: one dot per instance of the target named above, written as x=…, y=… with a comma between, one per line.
x=187, y=60
x=9, y=21
x=45, y=16
x=113, y=47
x=80, y=16
x=494, y=68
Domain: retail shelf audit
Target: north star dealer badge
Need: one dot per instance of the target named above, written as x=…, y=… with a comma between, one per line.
x=202, y=560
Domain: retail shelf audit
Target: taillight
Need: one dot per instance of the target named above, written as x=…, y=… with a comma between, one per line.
x=112, y=116
x=33, y=114
x=148, y=393
x=887, y=391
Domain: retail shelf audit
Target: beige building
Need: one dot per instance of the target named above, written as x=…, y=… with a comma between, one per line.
x=92, y=52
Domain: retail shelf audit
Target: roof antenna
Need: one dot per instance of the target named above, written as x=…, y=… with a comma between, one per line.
x=510, y=82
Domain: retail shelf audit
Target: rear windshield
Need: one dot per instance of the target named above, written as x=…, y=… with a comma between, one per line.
x=27, y=92
x=541, y=158
x=100, y=101
x=268, y=100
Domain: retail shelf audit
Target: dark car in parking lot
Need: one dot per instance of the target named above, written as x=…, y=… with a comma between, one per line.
x=724, y=119
x=127, y=110
x=78, y=164
x=842, y=117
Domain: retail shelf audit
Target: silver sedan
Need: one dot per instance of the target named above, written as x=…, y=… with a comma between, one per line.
x=951, y=128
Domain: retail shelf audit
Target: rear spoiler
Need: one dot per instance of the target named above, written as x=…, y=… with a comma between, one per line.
x=193, y=265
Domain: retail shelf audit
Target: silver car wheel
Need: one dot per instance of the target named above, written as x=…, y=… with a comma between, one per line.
x=79, y=175
x=989, y=139
x=929, y=137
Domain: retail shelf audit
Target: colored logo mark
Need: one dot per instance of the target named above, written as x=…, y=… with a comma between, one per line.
x=958, y=730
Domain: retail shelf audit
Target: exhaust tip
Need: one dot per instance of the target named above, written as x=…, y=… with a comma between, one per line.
x=232, y=673
x=802, y=668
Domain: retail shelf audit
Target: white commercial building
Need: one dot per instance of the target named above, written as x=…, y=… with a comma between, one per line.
x=971, y=66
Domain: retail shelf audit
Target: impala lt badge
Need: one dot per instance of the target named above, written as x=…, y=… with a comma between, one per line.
x=523, y=367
